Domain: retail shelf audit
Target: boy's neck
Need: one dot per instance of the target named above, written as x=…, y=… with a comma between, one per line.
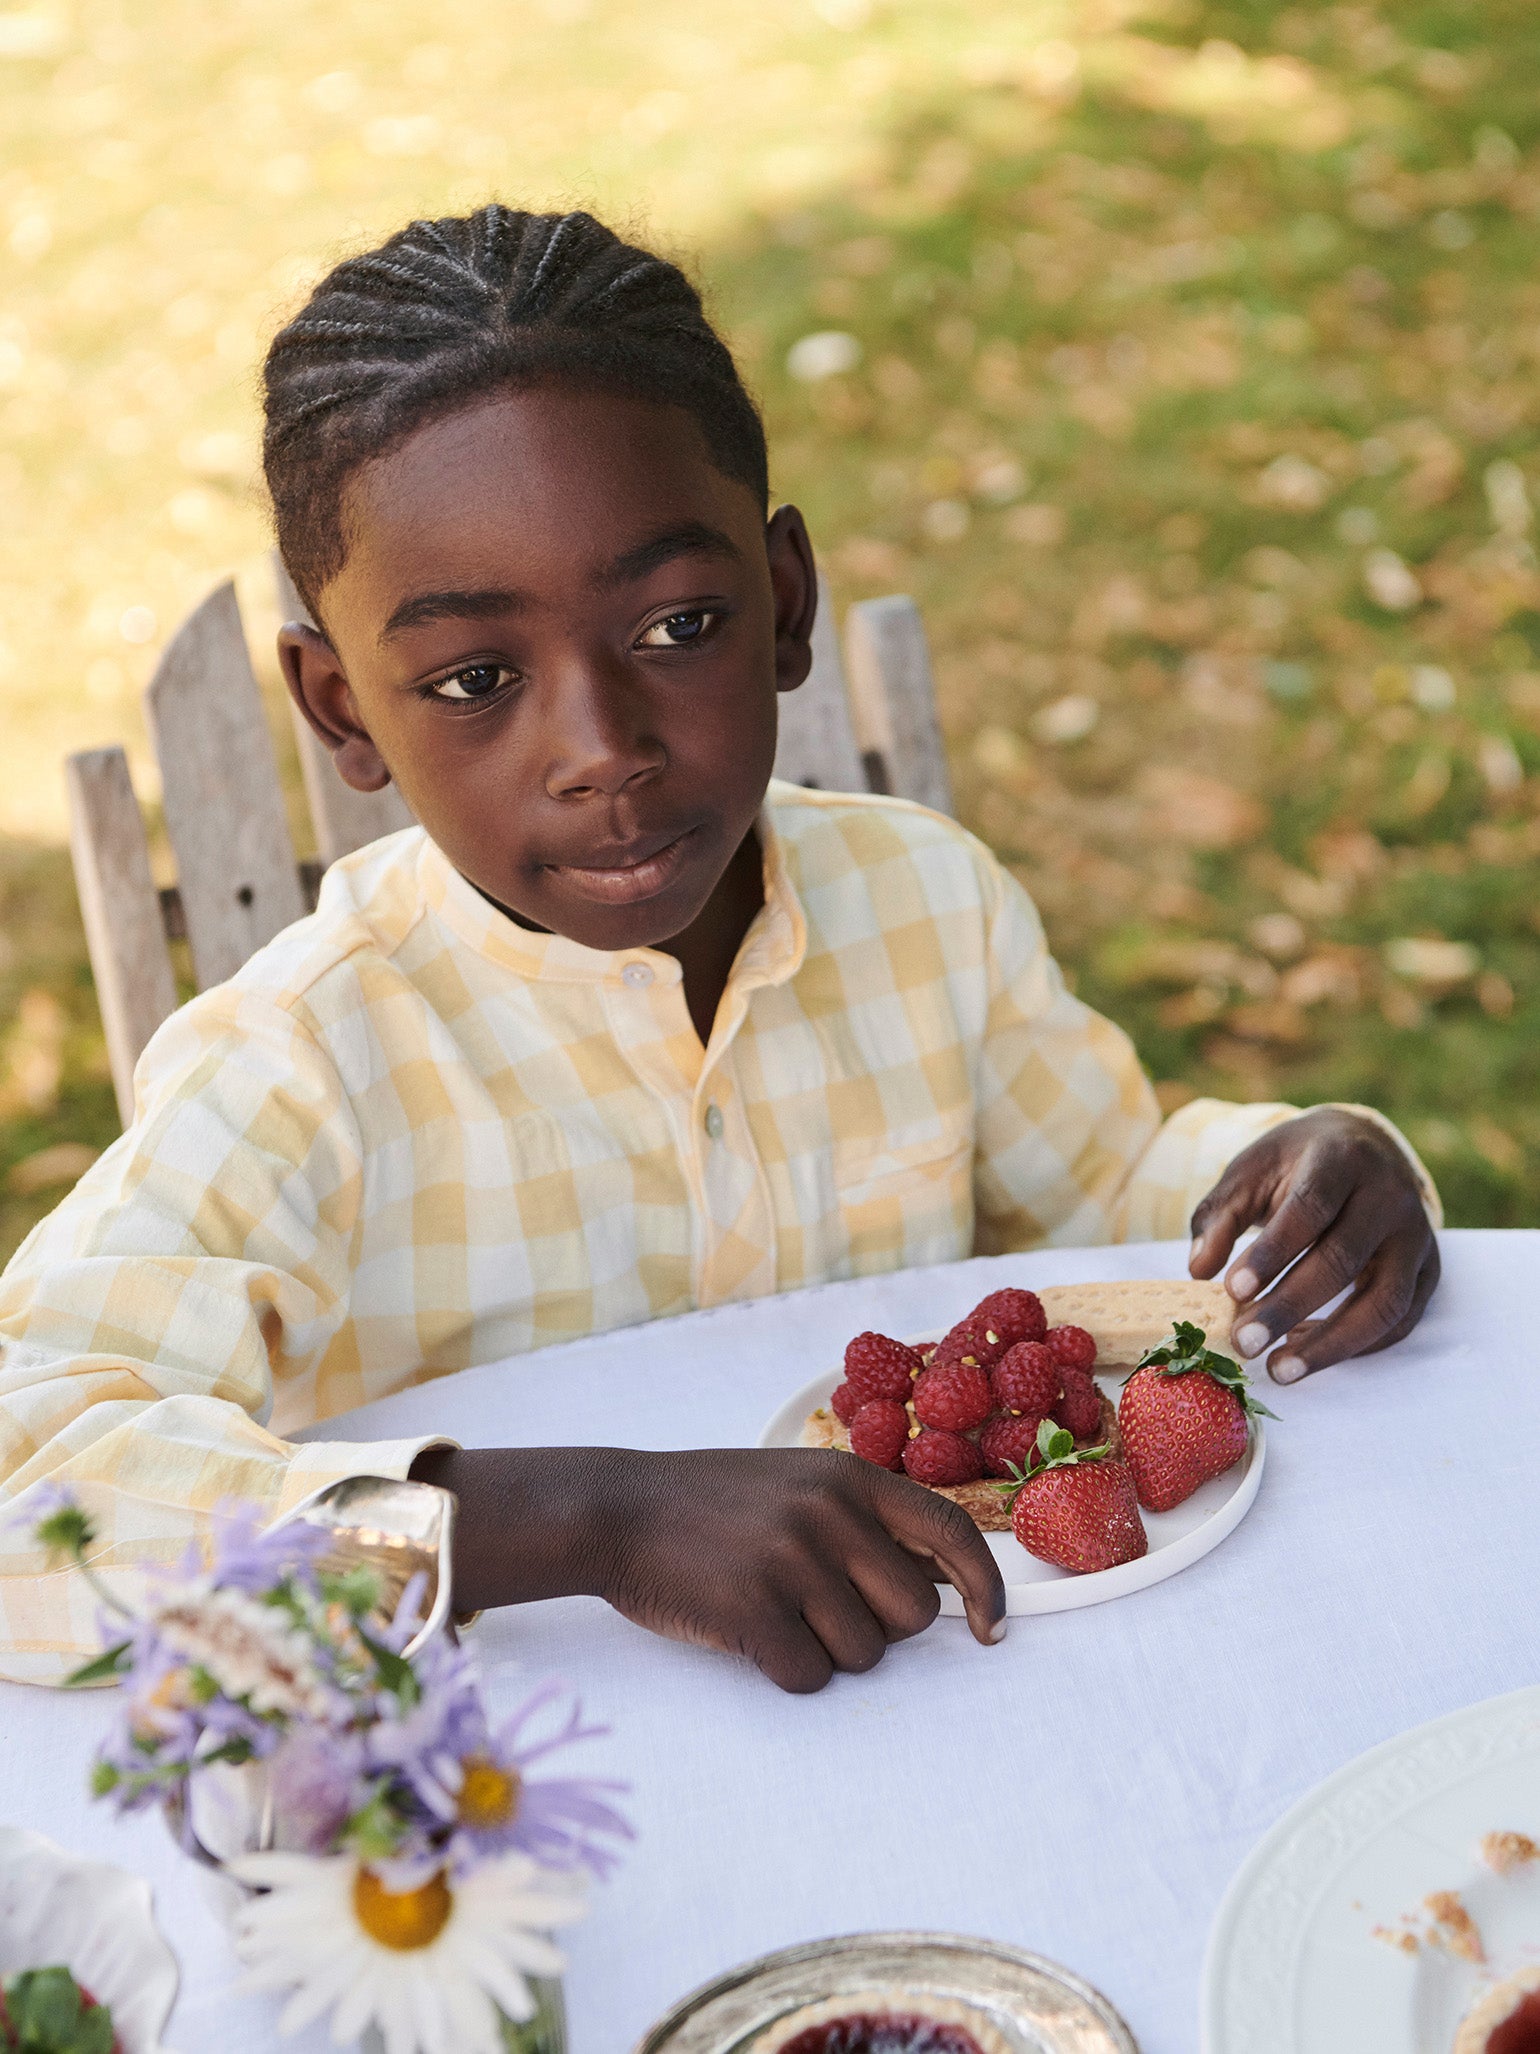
x=708, y=947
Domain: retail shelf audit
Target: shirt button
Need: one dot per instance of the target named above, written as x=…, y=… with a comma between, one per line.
x=637, y=975
x=714, y=1122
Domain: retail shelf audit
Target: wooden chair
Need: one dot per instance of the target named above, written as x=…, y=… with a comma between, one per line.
x=238, y=879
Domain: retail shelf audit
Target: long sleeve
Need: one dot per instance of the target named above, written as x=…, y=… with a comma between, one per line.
x=143, y=1326
x=1071, y=1148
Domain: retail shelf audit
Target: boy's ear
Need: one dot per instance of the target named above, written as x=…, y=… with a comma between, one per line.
x=794, y=582
x=321, y=692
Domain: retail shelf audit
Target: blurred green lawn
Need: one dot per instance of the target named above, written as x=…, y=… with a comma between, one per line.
x=1193, y=396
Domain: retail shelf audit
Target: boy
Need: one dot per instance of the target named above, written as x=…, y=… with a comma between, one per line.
x=618, y=1034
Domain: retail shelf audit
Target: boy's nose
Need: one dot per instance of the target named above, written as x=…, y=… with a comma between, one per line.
x=600, y=739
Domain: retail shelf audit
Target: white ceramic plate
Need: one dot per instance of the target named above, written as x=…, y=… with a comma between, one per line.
x=1177, y=1539
x=1299, y=1961
x=94, y=1919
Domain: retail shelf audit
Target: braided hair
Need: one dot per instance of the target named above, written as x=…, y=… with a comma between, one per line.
x=449, y=310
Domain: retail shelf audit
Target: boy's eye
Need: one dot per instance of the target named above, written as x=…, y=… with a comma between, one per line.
x=678, y=629
x=476, y=681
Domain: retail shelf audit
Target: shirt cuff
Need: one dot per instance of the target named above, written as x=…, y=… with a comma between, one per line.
x=315, y=1464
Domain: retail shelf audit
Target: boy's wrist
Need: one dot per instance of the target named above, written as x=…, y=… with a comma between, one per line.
x=532, y=1522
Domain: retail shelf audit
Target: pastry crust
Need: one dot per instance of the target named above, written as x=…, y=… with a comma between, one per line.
x=877, y=2003
x=1499, y=2004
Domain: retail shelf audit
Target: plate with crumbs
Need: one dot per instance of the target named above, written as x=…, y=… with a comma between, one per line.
x=936, y=1993
x=1396, y=1906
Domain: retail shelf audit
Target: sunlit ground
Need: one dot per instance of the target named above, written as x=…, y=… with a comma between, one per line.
x=1193, y=396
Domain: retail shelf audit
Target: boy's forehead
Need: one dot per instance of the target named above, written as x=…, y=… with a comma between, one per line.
x=567, y=483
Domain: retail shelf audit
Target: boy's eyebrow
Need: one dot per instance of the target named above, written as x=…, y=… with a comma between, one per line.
x=452, y=605
x=690, y=538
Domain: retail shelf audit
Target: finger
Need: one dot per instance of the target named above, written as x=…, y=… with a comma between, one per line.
x=1339, y=1258
x=1237, y=1201
x=789, y=1651
x=1380, y=1312
x=900, y=1593
x=853, y=1637
x=941, y=1532
x=1311, y=1205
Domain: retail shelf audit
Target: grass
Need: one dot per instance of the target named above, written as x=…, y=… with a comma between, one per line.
x=1195, y=403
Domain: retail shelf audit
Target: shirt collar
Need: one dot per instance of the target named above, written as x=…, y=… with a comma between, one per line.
x=772, y=950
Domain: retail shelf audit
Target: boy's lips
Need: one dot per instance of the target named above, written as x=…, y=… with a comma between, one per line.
x=624, y=878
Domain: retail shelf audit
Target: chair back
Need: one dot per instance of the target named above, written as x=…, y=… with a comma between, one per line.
x=238, y=880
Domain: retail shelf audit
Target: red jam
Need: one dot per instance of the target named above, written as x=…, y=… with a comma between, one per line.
x=1519, y=2032
x=868, y=2032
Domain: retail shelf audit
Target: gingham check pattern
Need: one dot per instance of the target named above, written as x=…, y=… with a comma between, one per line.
x=412, y=1136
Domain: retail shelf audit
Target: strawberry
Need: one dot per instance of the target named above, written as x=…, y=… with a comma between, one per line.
x=956, y=1397
x=880, y=1368
x=937, y=1457
x=970, y=1340
x=846, y=1403
x=1007, y=1444
x=1072, y=1346
x=879, y=1431
x=1014, y=1315
x=1027, y=1379
x=1079, y=1408
x=1184, y=1418
x=1077, y=1511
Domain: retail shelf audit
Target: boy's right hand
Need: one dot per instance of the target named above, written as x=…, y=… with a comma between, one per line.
x=805, y=1560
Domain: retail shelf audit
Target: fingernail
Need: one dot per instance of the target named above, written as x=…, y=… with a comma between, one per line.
x=1287, y=1369
x=1252, y=1339
x=997, y=1633
x=1243, y=1284
x=1196, y=1249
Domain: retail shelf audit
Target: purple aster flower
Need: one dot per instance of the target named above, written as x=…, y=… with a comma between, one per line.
x=560, y=1821
x=317, y=1783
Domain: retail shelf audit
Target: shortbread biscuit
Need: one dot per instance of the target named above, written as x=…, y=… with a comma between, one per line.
x=1128, y=1319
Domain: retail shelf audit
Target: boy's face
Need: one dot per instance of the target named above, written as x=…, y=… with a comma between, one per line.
x=561, y=630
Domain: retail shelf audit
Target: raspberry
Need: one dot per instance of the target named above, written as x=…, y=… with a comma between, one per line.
x=937, y=1457
x=970, y=1340
x=1080, y=1408
x=1015, y=1315
x=879, y=1432
x=846, y=1403
x=1007, y=1441
x=1027, y=1379
x=956, y=1397
x=880, y=1368
x=1072, y=1346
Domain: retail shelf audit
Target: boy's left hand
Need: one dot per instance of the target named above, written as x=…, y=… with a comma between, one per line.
x=1335, y=1192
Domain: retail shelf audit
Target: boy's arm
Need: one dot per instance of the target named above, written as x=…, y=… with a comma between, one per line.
x=143, y=1323
x=805, y=1561
x=1071, y=1149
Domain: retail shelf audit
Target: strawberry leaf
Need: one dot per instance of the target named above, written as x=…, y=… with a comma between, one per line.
x=1187, y=1353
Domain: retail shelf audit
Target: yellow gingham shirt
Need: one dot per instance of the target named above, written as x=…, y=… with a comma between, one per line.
x=411, y=1136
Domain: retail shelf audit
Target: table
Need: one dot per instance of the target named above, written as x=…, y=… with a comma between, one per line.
x=1087, y=1788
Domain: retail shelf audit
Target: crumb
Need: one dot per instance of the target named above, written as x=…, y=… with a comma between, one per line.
x=1453, y=1926
x=1505, y=1851
x=1407, y=1942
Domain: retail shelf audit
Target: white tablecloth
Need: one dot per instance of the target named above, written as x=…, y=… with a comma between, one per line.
x=1087, y=1788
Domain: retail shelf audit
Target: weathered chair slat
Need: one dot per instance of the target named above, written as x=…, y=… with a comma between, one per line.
x=817, y=744
x=893, y=701
x=222, y=801
x=135, y=986
x=344, y=820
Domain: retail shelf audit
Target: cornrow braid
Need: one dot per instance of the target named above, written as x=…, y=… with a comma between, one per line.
x=448, y=310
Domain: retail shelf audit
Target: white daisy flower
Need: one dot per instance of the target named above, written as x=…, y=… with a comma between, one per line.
x=254, y=1652
x=432, y=1967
